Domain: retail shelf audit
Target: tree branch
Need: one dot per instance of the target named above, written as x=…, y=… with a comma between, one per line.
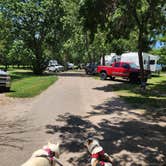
x=134, y=13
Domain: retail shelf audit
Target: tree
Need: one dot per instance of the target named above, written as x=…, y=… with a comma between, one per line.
x=99, y=47
x=6, y=39
x=72, y=38
x=35, y=23
x=145, y=17
x=148, y=17
x=19, y=54
x=162, y=50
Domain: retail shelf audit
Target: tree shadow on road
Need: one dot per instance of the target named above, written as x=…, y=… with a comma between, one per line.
x=129, y=136
x=73, y=134
x=129, y=142
x=133, y=141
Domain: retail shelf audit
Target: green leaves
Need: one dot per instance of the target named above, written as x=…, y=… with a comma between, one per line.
x=37, y=24
x=73, y=30
x=19, y=54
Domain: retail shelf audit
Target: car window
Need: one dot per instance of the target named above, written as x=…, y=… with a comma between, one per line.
x=133, y=65
x=117, y=64
x=125, y=65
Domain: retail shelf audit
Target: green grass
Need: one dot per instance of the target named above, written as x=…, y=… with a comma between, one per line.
x=26, y=84
x=153, y=99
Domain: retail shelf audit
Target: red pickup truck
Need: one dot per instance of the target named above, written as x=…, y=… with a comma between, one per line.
x=125, y=70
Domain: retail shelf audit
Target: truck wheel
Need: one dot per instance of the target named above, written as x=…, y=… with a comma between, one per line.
x=103, y=75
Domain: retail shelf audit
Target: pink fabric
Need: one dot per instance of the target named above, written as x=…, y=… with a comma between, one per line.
x=102, y=163
x=49, y=153
x=97, y=155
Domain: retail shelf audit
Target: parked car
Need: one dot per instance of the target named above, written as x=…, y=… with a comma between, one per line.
x=55, y=68
x=126, y=70
x=91, y=68
x=70, y=66
x=52, y=62
x=5, y=81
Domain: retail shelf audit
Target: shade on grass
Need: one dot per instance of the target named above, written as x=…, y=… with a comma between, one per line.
x=154, y=98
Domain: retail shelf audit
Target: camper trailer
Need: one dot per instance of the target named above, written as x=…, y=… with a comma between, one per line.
x=154, y=66
x=133, y=57
x=110, y=59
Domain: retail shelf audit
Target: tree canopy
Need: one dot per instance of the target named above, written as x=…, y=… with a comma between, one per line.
x=77, y=31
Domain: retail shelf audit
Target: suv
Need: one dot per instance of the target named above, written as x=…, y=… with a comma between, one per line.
x=4, y=81
x=91, y=68
x=70, y=66
x=55, y=68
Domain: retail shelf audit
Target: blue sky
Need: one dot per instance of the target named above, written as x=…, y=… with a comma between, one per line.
x=158, y=44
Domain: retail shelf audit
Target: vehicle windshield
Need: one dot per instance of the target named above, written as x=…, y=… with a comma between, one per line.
x=133, y=65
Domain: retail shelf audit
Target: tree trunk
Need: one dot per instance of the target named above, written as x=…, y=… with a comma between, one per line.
x=87, y=47
x=39, y=64
x=140, y=50
x=65, y=60
x=103, y=59
x=6, y=67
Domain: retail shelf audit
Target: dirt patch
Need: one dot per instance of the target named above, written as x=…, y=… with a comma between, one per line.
x=4, y=100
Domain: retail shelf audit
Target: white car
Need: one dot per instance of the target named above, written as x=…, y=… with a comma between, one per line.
x=70, y=65
x=5, y=80
x=55, y=68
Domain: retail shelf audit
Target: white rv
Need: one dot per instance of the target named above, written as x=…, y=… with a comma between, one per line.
x=133, y=57
x=154, y=66
x=110, y=59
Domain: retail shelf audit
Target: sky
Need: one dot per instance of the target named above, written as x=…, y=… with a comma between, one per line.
x=158, y=44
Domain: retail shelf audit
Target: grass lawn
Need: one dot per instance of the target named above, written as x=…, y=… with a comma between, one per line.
x=153, y=99
x=26, y=84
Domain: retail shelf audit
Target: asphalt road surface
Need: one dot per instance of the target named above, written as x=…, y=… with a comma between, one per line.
x=71, y=110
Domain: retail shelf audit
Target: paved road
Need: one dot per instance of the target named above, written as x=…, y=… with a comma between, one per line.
x=69, y=111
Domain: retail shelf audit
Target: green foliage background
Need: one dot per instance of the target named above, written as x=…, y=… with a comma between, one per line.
x=34, y=31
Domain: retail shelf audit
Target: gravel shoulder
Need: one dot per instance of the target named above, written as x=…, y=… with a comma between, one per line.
x=69, y=111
